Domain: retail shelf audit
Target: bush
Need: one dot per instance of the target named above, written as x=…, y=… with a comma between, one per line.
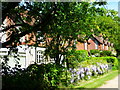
x=95, y=52
x=75, y=57
x=44, y=76
x=93, y=61
x=111, y=60
x=82, y=54
x=106, y=53
x=92, y=66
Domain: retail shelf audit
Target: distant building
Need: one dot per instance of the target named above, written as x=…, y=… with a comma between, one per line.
x=33, y=54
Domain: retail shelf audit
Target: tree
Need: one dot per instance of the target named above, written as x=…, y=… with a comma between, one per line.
x=77, y=20
x=108, y=25
x=43, y=16
x=63, y=22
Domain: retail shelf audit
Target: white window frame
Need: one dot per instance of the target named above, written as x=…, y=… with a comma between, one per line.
x=85, y=45
x=103, y=46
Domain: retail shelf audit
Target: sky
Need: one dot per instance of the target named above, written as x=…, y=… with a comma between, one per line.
x=112, y=5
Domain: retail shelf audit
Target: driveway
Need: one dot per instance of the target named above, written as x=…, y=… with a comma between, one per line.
x=112, y=83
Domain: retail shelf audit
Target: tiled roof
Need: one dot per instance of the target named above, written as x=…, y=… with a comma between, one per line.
x=99, y=38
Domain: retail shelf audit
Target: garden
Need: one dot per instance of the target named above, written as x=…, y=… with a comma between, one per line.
x=58, y=26
x=77, y=71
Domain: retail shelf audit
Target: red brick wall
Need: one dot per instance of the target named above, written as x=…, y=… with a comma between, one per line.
x=91, y=45
x=80, y=46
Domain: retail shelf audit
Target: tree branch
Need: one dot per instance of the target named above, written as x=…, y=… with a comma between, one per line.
x=12, y=26
x=39, y=27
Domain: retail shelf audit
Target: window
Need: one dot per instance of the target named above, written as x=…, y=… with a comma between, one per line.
x=96, y=44
x=40, y=57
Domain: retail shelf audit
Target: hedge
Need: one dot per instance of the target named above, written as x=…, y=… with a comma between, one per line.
x=93, y=61
x=76, y=56
x=93, y=52
x=111, y=60
x=80, y=55
x=106, y=53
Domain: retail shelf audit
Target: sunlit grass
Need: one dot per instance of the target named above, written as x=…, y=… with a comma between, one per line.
x=95, y=83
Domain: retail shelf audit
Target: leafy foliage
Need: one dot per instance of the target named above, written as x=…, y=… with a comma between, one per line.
x=33, y=77
x=62, y=22
x=105, y=53
x=75, y=57
x=95, y=52
x=111, y=60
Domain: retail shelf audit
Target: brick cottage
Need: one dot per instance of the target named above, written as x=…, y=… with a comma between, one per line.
x=95, y=42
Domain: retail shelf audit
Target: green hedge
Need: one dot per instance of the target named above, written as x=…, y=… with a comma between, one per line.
x=106, y=53
x=75, y=57
x=93, y=61
x=111, y=60
x=78, y=54
x=82, y=54
x=95, y=52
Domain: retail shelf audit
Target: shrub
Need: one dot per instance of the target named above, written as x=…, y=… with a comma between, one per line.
x=82, y=54
x=95, y=52
x=44, y=76
x=92, y=66
x=105, y=53
x=111, y=60
x=75, y=57
x=92, y=61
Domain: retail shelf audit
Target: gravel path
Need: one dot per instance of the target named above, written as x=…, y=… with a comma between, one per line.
x=112, y=83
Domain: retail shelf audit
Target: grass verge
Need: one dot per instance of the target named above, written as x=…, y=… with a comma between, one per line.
x=99, y=81
x=95, y=82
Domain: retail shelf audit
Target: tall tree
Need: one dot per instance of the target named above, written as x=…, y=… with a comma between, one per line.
x=63, y=22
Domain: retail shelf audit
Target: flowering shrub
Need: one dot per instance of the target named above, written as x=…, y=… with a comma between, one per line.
x=92, y=66
x=87, y=72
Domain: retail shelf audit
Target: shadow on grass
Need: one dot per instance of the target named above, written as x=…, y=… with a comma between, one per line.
x=82, y=88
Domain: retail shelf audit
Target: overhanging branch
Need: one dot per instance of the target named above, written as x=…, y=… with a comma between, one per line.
x=12, y=26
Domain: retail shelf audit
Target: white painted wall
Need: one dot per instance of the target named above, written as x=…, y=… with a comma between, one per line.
x=27, y=55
